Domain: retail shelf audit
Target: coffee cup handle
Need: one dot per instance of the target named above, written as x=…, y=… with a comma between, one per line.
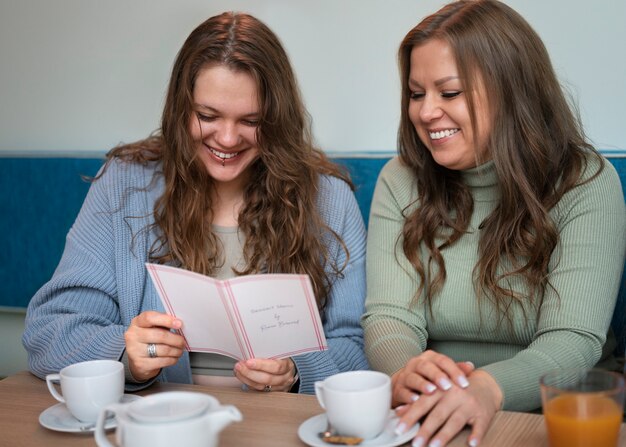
x=319, y=393
x=50, y=379
x=99, y=432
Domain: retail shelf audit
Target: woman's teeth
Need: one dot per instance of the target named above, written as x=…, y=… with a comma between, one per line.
x=442, y=134
x=223, y=155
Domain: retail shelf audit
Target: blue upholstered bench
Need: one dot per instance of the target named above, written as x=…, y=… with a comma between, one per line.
x=40, y=197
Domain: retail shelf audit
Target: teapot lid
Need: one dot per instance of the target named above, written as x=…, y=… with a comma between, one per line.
x=171, y=406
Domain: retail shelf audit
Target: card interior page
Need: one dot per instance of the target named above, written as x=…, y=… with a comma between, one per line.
x=199, y=301
x=279, y=314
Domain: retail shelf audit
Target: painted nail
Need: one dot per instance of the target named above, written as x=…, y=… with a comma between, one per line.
x=470, y=364
x=463, y=382
x=415, y=398
x=435, y=443
x=430, y=388
x=400, y=428
x=445, y=384
x=473, y=442
x=418, y=442
x=400, y=407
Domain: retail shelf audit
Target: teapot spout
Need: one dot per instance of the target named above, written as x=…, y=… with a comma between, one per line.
x=224, y=416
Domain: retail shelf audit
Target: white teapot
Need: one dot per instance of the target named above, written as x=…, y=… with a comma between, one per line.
x=183, y=418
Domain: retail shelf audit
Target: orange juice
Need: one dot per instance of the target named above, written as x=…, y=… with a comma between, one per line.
x=582, y=420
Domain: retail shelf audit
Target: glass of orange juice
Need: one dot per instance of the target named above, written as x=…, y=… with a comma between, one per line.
x=582, y=407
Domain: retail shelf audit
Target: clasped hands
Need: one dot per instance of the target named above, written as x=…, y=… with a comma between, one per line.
x=447, y=396
x=158, y=328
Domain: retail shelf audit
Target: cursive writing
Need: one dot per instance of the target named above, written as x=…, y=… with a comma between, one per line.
x=261, y=309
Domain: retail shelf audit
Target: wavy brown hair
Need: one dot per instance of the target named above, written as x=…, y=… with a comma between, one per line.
x=284, y=230
x=536, y=142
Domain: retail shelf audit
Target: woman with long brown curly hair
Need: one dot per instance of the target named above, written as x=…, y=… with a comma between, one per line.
x=496, y=237
x=230, y=185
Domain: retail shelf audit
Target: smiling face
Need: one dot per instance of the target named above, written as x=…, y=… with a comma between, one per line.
x=224, y=124
x=438, y=108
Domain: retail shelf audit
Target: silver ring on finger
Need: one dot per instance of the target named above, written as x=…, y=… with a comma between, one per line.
x=267, y=388
x=152, y=350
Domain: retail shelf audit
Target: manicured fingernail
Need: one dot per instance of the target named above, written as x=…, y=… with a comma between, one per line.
x=463, y=382
x=400, y=428
x=415, y=398
x=418, y=442
x=470, y=364
x=445, y=384
x=435, y=443
x=400, y=407
x=473, y=442
x=430, y=388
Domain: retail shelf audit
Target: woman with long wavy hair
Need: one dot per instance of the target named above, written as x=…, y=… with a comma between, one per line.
x=230, y=185
x=498, y=235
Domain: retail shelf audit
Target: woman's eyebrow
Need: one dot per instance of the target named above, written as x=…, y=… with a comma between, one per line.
x=438, y=82
x=443, y=80
x=216, y=111
x=202, y=106
x=413, y=83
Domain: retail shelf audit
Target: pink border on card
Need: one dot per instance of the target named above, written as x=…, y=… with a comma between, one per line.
x=312, y=310
x=300, y=351
x=230, y=319
x=242, y=331
x=312, y=305
x=224, y=289
x=155, y=270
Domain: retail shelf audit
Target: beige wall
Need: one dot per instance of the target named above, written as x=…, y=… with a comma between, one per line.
x=83, y=75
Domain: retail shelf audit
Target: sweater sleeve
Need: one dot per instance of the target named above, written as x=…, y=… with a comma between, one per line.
x=345, y=303
x=394, y=322
x=76, y=315
x=584, y=274
x=572, y=322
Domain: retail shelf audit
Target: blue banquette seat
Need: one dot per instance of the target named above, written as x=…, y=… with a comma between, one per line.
x=40, y=197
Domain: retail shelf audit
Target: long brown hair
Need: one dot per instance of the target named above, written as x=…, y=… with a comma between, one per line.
x=284, y=230
x=536, y=143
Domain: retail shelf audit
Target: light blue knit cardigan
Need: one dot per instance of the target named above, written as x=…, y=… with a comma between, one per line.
x=101, y=282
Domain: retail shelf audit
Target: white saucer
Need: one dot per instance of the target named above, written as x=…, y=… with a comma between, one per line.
x=309, y=430
x=59, y=418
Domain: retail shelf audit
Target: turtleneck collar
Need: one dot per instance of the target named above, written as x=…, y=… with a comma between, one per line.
x=483, y=181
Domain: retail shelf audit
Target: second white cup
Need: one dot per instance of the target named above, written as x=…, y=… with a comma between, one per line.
x=357, y=403
x=87, y=387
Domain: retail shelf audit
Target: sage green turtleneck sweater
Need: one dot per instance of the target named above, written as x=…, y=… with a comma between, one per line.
x=566, y=332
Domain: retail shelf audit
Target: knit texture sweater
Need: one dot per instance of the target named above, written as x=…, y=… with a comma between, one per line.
x=569, y=331
x=101, y=282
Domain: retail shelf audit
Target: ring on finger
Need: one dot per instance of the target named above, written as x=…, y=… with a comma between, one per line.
x=152, y=353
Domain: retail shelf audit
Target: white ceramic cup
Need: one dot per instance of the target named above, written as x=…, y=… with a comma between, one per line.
x=173, y=418
x=88, y=387
x=357, y=403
